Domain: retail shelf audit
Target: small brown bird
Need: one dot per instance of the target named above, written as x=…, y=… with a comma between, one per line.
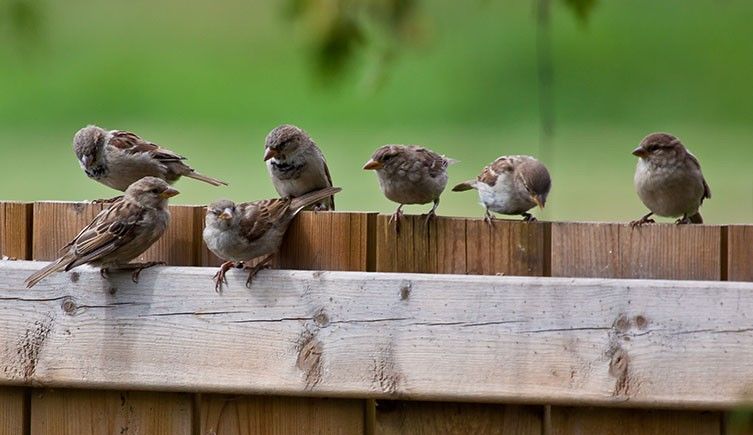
x=296, y=165
x=118, y=234
x=242, y=232
x=669, y=180
x=511, y=185
x=410, y=174
x=119, y=158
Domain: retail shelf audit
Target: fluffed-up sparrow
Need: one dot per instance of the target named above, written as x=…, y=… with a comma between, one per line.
x=410, y=174
x=119, y=158
x=511, y=185
x=119, y=233
x=242, y=232
x=669, y=180
x=296, y=165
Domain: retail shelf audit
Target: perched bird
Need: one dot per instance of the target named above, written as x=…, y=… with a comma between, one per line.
x=669, y=180
x=410, y=174
x=119, y=158
x=511, y=185
x=242, y=232
x=118, y=234
x=296, y=165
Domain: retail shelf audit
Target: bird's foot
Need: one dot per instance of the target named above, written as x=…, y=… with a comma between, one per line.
x=682, y=221
x=528, y=217
x=104, y=273
x=263, y=264
x=141, y=266
x=219, y=277
x=489, y=219
x=642, y=221
x=429, y=216
x=396, y=217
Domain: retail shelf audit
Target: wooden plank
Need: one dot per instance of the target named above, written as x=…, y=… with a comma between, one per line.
x=250, y=415
x=740, y=253
x=12, y=411
x=179, y=246
x=56, y=223
x=586, y=250
x=576, y=421
x=88, y=412
x=406, y=336
x=408, y=418
x=15, y=230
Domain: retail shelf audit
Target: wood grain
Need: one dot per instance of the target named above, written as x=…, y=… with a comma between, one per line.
x=56, y=223
x=576, y=421
x=740, y=253
x=179, y=246
x=75, y=412
x=250, y=415
x=388, y=336
x=12, y=411
x=429, y=418
x=15, y=230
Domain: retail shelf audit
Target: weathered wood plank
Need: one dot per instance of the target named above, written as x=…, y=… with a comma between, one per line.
x=15, y=230
x=576, y=421
x=250, y=415
x=88, y=412
x=12, y=411
x=740, y=253
x=407, y=336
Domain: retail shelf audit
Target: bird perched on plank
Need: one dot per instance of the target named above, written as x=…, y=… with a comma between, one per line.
x=410, y=174
x=669, y=180
x=119, y=233
x=242, y=232
x=119, y=158
x=296, y=165
x=511, y=185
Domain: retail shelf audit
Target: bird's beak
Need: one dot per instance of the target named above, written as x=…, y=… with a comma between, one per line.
x=86, y=161
x=640, y=152
x=226, y=215
x=169, y=193
x=269, y=153
x=539, y=200
x=373, y=164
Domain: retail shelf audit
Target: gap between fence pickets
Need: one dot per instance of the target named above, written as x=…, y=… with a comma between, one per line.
x=363, y=335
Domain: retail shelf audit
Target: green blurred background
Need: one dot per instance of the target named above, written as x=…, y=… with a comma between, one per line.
x=210, y=79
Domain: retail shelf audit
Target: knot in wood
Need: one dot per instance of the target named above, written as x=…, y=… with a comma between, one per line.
x=321, y=319
x=69, y=306
x=641, y=321
x=405, y=289
x=621, y=323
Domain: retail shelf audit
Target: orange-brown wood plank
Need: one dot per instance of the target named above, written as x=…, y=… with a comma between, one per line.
x=84, y=412
x=12, y=410
x=179, y=246
x=740, y=253
x=607, y=421
x=56, y=223
x=429, y=418
x=15, y=230
x=250, y=415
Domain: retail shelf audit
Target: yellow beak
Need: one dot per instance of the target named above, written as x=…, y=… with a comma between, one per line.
x=373, y=164
x=226, y=215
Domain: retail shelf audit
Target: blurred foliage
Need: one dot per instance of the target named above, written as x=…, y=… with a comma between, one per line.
x=582, y=8
x=23, y=17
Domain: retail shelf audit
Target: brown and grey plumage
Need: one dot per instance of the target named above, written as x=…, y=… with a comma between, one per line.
x=410, y=174
x=119, y=233
x=668, y=180
x=511, y=185
x=242, y=232
x=119, y=158
x=296, y=165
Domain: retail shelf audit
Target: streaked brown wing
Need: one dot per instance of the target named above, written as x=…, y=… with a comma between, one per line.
x=435, y=163
x=259, y=216
x=132, y=143
x=706, y=189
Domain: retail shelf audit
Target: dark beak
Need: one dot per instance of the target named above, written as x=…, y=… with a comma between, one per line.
x=169, y=193
x=640, y=152
x=269, y=153
x=373, y=164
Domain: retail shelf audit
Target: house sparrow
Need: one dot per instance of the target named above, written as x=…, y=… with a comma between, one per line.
x=409, y=174
x=242, y=232
x=511, y=185
x=296, y=165
x=119, y=233
x=669, y=180
x=119, y=158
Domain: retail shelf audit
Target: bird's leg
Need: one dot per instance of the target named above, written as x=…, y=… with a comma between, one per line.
x=644, y=220
x=528, y=217
x=488, y=217
x=683, y=220
x=136, y=268
x=432, y=213
x=106, y=201
x=264, y=263
x=104, y=273
x=396, y=218
x=219, y=277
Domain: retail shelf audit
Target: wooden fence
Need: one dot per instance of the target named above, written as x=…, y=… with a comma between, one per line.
x=580, y=328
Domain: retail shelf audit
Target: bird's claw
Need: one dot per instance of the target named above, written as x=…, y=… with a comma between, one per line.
x=396, y=217
x=642, y=221
x=528, y=217
x=135, y=274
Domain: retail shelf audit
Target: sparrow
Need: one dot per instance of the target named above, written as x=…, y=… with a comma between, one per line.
x=410, y=174
x=511, y=185
x=296, y=165
x=241, y=232
x=669, y=180
x=119, y=158
x=119, y=233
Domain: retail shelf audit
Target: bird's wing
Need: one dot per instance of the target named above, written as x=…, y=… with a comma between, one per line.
x=329, y=177
x=258, y=217
x=433, y=162
x=134, y=144
x=706, y=189
x=491, y=172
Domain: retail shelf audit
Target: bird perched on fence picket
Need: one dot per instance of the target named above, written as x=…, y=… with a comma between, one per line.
x=296, y=165
x=242, y=232
x=119, y=158
x=669, y=180
x=410, y=174
x=511, y=185
x=119, y=233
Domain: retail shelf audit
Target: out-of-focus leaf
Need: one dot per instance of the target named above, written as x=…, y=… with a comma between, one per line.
x=24, y=17
x=582, y=8
x=337, y=46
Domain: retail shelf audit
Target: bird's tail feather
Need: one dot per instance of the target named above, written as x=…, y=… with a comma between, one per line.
x=56, y=266
x=213, y=181
x=306, y=200
x=465, y=185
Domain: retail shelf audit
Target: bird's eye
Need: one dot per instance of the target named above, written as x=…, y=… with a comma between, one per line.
x=387, y=157
x=652, y=148
x=155, y=190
